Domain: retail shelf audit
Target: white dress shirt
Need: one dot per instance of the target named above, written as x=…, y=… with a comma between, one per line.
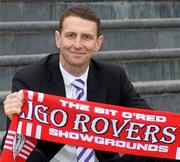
x=68, y=152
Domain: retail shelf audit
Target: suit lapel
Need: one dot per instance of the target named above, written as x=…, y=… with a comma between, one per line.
x=55, y=83
x=96, y=90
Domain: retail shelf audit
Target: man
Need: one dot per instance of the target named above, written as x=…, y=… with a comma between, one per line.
x=78, y=39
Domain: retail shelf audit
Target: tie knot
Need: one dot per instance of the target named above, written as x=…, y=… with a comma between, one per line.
x=78, y=84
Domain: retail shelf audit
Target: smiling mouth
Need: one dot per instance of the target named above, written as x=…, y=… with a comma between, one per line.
x=78, y=53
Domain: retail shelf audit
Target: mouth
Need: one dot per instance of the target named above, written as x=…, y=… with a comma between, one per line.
x=78, y=53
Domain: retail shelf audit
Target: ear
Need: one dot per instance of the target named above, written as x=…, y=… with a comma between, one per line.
x=57, y=38
x=99, y=42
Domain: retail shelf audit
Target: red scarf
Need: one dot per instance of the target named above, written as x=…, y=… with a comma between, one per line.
x=17, y=147
x=93, y=125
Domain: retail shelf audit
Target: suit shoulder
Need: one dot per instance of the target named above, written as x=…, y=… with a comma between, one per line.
x=107, y=68
x=37, y=69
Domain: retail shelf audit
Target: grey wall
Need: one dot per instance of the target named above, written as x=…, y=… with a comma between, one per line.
x=51, y=10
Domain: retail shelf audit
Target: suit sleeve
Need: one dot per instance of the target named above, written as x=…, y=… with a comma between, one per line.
x=17, y=84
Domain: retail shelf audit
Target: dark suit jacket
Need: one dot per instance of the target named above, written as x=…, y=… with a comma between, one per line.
x=106, y=83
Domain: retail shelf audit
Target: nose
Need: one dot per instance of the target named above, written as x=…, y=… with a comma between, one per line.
x=78, y=43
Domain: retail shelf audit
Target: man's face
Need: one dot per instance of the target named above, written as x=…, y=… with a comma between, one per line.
x=78, y=41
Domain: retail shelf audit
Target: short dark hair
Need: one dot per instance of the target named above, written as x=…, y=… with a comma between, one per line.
x=82, y=12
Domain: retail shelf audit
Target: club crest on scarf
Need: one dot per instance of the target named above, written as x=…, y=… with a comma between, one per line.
x=18, y=144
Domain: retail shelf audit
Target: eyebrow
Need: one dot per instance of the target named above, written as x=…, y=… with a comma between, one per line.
x=89, y=34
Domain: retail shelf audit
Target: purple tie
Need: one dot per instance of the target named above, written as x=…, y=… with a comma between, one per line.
x=83, y=154
x=79, y=85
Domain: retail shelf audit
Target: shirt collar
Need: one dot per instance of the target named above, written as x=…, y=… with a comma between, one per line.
x=68, y=78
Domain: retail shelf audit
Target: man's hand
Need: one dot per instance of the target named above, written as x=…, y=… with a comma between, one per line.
x=13, y=104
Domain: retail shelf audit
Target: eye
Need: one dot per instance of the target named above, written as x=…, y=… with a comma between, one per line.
x=87, y=37
x=70, y=35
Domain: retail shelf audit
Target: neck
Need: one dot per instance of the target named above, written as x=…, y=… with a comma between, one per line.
x=74, y=70
x=77, y=72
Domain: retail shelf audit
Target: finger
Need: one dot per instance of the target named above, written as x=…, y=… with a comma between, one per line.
x=13, y=104
x=12, y=109
x=14, y=95
x=14, y=100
